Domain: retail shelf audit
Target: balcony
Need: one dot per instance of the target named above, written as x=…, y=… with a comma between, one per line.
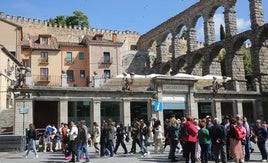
x=49, y=80
x=43, y=60
x=106, y=60
x=69, y=61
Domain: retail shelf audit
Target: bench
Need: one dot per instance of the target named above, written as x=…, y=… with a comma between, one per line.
x=12, y=143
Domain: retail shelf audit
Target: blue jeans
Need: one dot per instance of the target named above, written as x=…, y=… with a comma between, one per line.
x=82, y=148
x=110, y=146
x=31, y=144
x=143, y=147
x=204, y=152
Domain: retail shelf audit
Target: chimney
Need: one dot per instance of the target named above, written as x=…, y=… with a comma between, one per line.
x=114, y=37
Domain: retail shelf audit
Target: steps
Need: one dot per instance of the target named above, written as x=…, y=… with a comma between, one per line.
x=7, y=121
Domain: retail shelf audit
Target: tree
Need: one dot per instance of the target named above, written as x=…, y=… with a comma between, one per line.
x=247, y=64
x=78, y=19
x=222, y=32
x=184, y=34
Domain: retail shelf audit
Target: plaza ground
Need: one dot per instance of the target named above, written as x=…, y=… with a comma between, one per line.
x=57, y=157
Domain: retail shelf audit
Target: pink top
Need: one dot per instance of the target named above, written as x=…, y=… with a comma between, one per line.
x=192, y=132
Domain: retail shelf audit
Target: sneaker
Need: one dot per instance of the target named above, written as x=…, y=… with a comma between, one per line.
x=26, y=156
x=36, y=156
x=264, y=160
x=142, y=156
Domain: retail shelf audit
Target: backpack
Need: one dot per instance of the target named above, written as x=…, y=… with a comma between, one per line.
x=82, y=134
x=239, y=133
x=183, y=131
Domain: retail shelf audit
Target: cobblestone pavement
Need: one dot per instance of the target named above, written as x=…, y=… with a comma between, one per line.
x=57, y=157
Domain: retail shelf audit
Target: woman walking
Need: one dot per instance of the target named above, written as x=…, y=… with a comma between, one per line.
x=96, y=136
x=158, y=133
x=31, y=135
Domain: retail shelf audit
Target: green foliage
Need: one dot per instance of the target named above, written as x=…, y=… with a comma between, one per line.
x=222, y=32
x=247, y=63
x=184, y=34
x=201, y=61
x=78, y=19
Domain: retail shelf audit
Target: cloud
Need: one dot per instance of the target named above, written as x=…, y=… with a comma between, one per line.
x=242, y=25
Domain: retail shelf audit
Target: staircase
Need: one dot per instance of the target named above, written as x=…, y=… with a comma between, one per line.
x=7, y=121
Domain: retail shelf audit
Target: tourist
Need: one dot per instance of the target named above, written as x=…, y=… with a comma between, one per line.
x=104, y=140
x=204, y=141
x=134, y=136
x=236, y=151
x=261, y=133
x=31, y=136
x=120, y=136
x=158, y=134
x=110, y=137
x=72, y=143
x=96, y=136
x=143, y=133
x=173, y=136
x=190, y=140
x=218, y=138
x=82, y=140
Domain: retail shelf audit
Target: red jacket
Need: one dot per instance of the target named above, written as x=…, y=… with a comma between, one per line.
x=192, y=132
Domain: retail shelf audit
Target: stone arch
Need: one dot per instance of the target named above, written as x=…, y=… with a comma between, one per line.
x=192, y=43
x=260, y=59
x=179, y=65
x=214, y=14
x=212, y=60
x=200, y=35
x=152, y=46
x=239, y=42
x=179, y=41
x=195, y=67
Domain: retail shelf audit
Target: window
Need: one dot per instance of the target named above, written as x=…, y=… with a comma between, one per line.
x=70, y=75
x=44, y=40
x=82, y=73
x=44, y=55
x=69, y=57
x=25, y=62
x=81, y=56
x=107, y=73
x=43, y=73
x=106, y=57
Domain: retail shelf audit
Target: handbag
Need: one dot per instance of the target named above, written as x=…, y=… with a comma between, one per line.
x=253, y=139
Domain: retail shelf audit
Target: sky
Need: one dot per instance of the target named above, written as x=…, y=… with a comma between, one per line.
x=139, y=15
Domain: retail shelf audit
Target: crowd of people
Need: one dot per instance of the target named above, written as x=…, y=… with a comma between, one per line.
x=199, y=140
x=227, y=140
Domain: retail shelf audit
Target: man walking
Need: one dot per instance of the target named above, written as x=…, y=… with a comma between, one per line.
x=82, y=138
